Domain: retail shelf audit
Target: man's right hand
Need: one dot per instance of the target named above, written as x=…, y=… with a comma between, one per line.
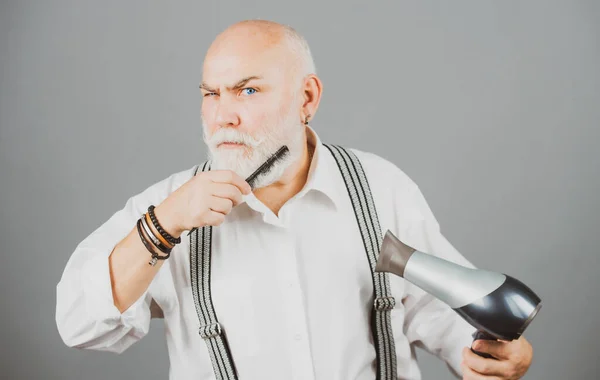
x=204, y=200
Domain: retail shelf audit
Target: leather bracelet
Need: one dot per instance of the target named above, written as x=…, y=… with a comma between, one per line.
x=161, y=230
x=153, y=238
x=159, y=236
x=155, y=255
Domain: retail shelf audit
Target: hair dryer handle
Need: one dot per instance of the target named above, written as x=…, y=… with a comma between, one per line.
x=482, y=335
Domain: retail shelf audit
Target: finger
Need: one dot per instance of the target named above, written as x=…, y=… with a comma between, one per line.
x=496, y=348
x=469, y=374
x=484, y=366
x=222, y=205
x=225, y=190
x=214, y=218
x=228, y=176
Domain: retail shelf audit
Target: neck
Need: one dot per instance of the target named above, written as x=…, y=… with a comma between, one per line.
x=291, y=182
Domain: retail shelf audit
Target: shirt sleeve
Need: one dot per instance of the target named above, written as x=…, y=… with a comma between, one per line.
x=429, y=323
x=86, y=316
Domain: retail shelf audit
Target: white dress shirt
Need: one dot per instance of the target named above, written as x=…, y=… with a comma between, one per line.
x=292, y=291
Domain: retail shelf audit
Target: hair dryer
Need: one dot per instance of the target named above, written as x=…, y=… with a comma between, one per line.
x=497, y=305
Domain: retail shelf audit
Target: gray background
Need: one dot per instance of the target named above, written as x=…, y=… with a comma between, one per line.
x=492, y=108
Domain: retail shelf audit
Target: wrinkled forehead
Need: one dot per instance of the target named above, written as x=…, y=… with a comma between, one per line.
x=228, y=61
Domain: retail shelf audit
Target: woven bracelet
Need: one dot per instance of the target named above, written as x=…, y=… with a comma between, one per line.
x=155, y=255
x=153, y=238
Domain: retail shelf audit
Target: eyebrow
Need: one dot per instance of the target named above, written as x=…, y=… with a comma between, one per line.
x=237, y=86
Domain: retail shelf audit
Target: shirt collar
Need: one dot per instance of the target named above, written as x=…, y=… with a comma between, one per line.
x=323, y=171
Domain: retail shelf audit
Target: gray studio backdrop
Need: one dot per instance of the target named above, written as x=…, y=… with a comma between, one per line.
x=493, y=108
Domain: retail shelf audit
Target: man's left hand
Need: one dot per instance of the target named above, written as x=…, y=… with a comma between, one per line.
x=510, y=360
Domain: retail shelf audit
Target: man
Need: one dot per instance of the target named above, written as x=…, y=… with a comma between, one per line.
x=288, y=278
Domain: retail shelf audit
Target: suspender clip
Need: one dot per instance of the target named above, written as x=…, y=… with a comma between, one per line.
x=210, y=331
x=384, y=303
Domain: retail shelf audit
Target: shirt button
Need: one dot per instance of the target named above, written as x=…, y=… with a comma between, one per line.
x=297, y=336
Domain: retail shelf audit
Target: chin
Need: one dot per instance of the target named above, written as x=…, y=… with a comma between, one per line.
x=236, y=159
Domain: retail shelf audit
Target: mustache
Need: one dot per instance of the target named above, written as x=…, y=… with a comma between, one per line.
x=232, y=135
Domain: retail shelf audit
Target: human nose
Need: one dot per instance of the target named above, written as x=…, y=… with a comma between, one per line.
x=226, y=114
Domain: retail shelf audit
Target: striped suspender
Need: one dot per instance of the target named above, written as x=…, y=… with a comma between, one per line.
x=210, y=329
x=366, y=216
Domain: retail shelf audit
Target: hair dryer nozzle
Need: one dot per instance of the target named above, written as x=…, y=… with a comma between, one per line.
x=394, y=255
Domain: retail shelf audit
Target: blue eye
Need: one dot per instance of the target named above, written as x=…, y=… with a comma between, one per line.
x=249, y=90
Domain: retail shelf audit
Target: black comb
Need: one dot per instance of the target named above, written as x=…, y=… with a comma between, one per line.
x=267, y=165
x=262, y=169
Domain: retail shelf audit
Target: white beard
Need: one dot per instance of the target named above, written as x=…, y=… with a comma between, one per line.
x=287, y=130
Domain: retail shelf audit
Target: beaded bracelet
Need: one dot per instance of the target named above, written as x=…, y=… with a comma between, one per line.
x=159, y=228
x=155, y=255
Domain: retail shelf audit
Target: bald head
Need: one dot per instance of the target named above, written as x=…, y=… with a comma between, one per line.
x=251, y=39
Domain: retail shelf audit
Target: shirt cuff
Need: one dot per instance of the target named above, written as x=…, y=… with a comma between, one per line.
x=463, y=337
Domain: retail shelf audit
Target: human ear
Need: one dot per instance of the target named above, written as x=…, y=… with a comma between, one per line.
x=311, y=93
